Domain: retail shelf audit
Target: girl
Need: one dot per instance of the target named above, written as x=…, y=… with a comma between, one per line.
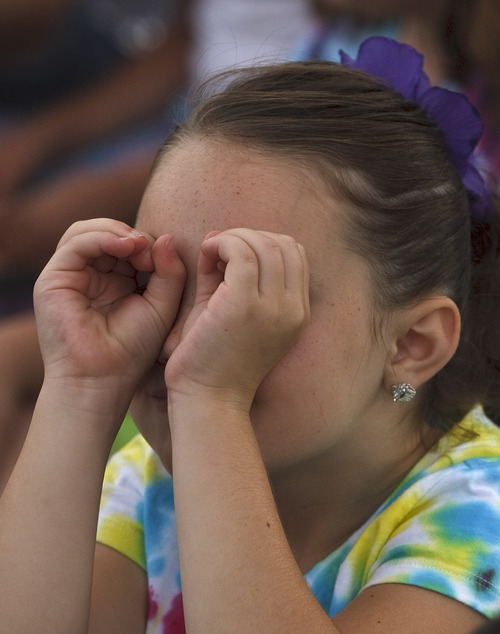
x=306, y=325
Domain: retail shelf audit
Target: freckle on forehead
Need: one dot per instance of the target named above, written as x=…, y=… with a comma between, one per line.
x=223, y=185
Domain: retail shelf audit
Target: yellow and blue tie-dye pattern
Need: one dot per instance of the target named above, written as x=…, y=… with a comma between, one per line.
x=439, y=530
x=137, y=519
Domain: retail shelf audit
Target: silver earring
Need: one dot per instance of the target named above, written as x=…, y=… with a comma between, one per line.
x=403, y=392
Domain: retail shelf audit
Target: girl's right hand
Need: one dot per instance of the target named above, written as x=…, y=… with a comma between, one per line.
x=96, y=324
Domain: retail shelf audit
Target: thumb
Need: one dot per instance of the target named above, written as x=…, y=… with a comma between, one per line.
x=166, y=284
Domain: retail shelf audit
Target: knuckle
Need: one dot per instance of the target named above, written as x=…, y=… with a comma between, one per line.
x=288, y=241
x=274, y=253
x=248, y=256
x=298, y=313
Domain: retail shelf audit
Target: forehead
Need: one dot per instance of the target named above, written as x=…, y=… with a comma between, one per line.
x=201, y=186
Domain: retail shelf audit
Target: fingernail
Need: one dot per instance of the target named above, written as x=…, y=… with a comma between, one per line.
x=170, y=244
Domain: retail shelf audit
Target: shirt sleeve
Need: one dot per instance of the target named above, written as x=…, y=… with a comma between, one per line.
x=449, y=541
x=120, y=523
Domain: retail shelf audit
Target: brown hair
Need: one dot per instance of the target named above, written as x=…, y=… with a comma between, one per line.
x=409, y=212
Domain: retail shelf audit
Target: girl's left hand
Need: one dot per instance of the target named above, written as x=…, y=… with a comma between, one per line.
x=251, y=304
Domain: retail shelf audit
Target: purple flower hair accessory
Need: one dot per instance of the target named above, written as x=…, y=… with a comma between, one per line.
x=400, y=67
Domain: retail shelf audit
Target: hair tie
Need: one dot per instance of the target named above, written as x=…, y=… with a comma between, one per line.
x=400, y=67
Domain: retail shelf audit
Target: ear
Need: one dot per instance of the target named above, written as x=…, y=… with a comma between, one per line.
x=424, y=339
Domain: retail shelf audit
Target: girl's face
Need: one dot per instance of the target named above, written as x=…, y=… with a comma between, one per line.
x=320, y=395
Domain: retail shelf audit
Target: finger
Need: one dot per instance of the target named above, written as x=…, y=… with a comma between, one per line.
x=166, y=284
x=141, y=257
x=85, y=248
x=108, y=263
x=305, y=281
x=295, y=264
x=295, y=276
x=278, y=250
x=265, y=251
x=296, y=282
x=95, y=224
x=104, y=264
x=240, y=270
x=210, y=271
x=277, y=270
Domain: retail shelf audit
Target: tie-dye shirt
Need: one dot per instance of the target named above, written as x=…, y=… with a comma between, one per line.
x=440, y=529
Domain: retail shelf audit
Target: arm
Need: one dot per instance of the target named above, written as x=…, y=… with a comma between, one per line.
x=139, y=89
x=98, y=337
x=43, y=215
x=119, y=594
x=238, y=570
x=238, y=573
x=21, y=377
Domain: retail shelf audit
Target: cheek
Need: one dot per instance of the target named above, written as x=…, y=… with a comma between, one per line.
x=297, y=386
x=321, y=375
x=293, y=414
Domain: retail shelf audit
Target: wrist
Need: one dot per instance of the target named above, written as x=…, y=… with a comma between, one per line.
x=204, y=401
x=64, y=425
x=207, y=411
x=210, y=426
x=91, y=400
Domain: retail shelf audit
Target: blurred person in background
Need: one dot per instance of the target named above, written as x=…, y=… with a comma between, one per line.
x=82, y=111
x=459, y=39
x=85, y=89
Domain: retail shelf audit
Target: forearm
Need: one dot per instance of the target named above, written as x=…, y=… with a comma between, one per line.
x=238, y=572
x=21, y=376
x=43, y=215
x=21, y=365
x=14, y=12
x=48, y=516
x=98, y=337
x=114, y=192
x=138, y=90
x=27, y=24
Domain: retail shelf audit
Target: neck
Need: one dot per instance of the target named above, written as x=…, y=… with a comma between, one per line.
x=317, y=520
